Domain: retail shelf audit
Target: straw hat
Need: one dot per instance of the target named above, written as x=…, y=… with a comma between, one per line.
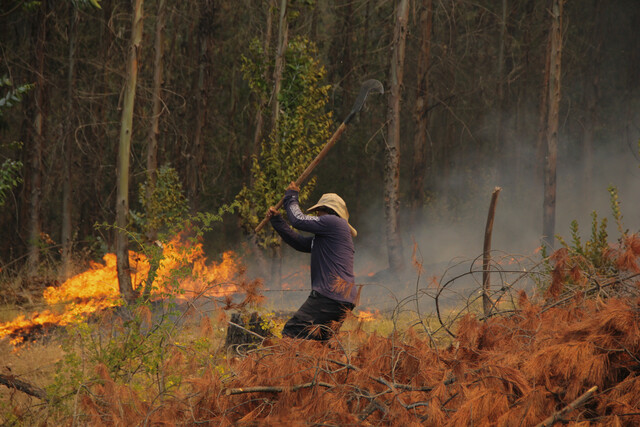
x=335, y=202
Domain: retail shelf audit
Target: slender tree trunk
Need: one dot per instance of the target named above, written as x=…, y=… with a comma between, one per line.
x=541, y=146
x=35, y=207
x=262, y=103
x=420, y=112
x=205, y=37
x=343, y=71
x=67, y=157
x=501, y=77
x=124, y=152
x=365, y=40
x=152, y=148
x=392, y=158
x=549, y=212
x=283, y=41
x=156, y=108
x=592, y=96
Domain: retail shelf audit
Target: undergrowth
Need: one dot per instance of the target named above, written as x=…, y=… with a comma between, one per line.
x=569, y=350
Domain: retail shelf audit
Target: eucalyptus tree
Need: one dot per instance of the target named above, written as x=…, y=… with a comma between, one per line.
x=37, y=142
x=124, y=153
x=555, y=63
x=421, y=106
x=392, y=157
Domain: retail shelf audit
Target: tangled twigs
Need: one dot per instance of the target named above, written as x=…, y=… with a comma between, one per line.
x=557, y=416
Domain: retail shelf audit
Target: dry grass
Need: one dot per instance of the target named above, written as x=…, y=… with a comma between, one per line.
x=532, y=357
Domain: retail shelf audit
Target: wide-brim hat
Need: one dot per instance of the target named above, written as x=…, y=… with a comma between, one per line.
x=334, y=202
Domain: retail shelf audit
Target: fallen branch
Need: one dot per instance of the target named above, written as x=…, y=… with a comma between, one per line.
x=387, y=383
x=12, y=382
x=557, y=416
x=275, y=388
x=373, y=406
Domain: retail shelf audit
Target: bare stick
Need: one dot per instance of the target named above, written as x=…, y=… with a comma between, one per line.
x=274, y=389
x=12, y=382
x=557, y=416
x=486, y=255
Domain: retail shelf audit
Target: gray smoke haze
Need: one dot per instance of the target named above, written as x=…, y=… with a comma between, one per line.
x=444, y=240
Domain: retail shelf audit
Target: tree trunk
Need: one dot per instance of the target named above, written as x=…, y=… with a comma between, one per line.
x=262, y=103
x=35, y=197
x=124, y=152
x=152, y=148
x=420, y=112
x=549, y=212
x=156, y=108
x=591, y=100
x=543, y=114
x=392, y=157
x=67, y=158
x=283, y=41
x=342, y=71
x=498, y=143
x=196, y=162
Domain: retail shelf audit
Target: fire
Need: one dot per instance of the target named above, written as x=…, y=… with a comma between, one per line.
x=97, y=288
x=367, y=316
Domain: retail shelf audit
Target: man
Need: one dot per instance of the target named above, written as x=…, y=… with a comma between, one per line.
x=333, y=293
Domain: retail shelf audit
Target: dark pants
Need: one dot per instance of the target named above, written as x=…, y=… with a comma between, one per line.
x=317, y=319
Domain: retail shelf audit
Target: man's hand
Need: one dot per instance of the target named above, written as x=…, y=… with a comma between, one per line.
x=271, y=212
x=293, y=186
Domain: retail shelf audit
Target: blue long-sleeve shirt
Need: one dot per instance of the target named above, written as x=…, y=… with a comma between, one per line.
x=331, y=248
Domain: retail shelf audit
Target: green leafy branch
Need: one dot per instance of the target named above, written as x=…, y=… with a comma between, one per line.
x=302, y=129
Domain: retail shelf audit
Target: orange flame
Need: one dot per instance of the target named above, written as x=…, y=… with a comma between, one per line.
x=367, y=316
x=97, y=288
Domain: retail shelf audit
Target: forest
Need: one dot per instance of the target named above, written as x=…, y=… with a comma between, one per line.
x=143, y=142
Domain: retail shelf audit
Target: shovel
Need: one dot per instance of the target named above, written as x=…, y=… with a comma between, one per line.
x=373, y=86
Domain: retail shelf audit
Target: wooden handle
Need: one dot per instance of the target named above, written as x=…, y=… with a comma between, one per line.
x=303, y=177
x=266, y=218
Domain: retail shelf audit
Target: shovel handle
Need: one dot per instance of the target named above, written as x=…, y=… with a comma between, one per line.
x=303, y=177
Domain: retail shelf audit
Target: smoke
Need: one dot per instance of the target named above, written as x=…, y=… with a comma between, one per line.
x=448, y=240
x=447, y=233
x=450, y=232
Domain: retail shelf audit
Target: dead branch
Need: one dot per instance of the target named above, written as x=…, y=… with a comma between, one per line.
x=12, y=382
x=372, y=407
x=384, y=382
x=275, y=389
x=570, y=407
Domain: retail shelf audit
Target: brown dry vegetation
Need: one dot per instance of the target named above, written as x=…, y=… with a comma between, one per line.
x=517, y=367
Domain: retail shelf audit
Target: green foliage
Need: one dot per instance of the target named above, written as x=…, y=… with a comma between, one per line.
x=592, y=256
x=302, y=129
x=9, y=176
x=615, y=208
x=166, y=207
x=593, y=251
x=132, y=346
x=10, y=169
x=13, y=96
